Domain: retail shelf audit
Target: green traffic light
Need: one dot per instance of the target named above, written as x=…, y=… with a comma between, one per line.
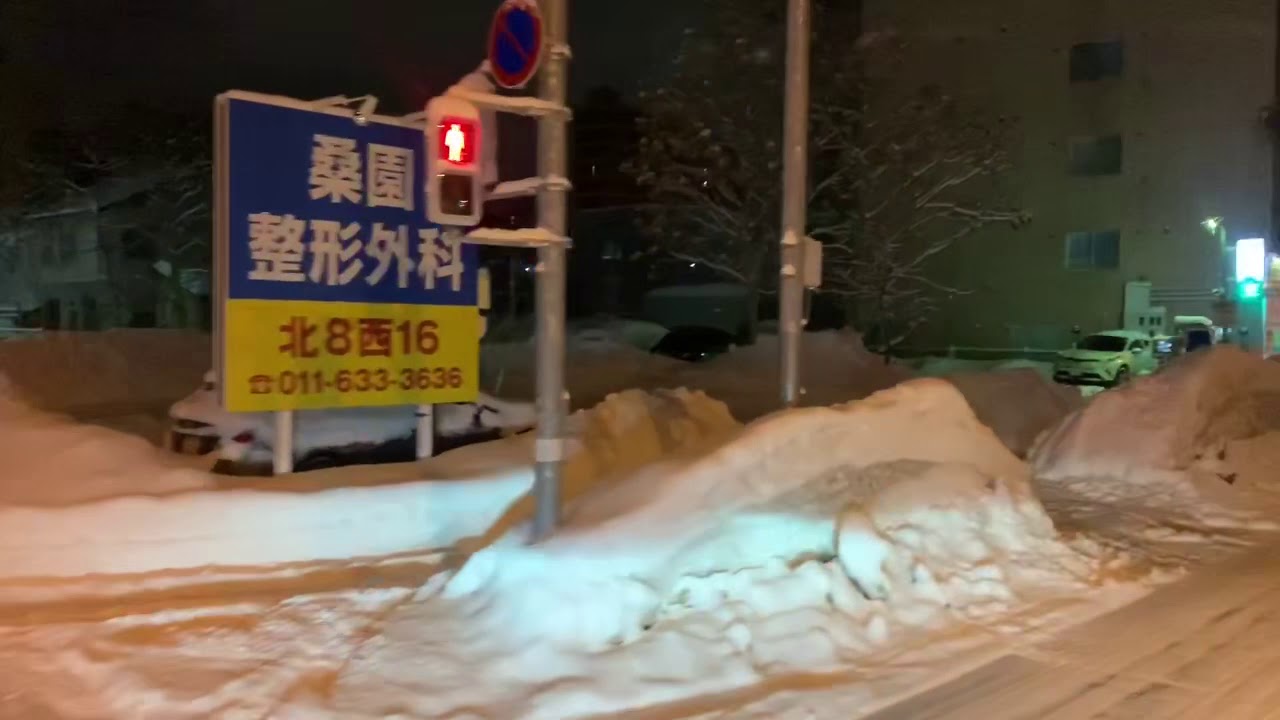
x=1250, y=289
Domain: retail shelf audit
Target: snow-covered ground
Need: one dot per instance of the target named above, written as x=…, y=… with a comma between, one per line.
x=821, y=562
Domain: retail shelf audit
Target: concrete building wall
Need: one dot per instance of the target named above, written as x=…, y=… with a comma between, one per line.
x=1187, y=105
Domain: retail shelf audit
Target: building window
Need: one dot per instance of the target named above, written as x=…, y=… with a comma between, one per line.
x=67, y=244
x=611, y=250
x=1100, y=155
x=137, y=247
x=1094, y=61
x=1093, y=250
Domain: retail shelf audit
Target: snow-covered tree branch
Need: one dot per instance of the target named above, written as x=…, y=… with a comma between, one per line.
x=708, y=154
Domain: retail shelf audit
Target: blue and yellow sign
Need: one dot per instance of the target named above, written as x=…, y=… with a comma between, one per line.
x=335, y=291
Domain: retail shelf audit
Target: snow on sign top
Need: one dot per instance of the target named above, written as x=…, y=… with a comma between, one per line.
x=515, y=43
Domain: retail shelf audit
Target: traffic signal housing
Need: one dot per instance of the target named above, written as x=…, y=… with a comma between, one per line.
x=453, y=179
x=1251, y=267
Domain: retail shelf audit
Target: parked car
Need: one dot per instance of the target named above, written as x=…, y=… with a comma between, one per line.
x=330, y=438
x=693, y=344
x=1106, y=358
x=195, y=419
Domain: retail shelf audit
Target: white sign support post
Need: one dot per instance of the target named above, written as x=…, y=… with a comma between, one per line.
x=282, y=447
x=426, y=432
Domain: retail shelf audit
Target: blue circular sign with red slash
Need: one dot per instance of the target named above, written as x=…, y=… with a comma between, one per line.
x=515, y=43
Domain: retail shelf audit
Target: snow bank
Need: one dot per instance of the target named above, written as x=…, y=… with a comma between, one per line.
x=926, y=489
x=259, y=527
x=90, y=373
x=50, y=460
x=1167, y=421
x=1251, y=463
x=835, y=368
x=598, y=364
x=942, y=366
x=1018, y=404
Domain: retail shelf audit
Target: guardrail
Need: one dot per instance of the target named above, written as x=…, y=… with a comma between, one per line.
x=964, y=352
x=17, y=332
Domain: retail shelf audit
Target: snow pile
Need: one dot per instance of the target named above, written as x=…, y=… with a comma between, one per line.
x=51, y=461
x=930, y=498
x=1193, y=440
x=1168, y=421
x=128, y=531
x=597, y=363
x=801, y=545
x=84, y=373
x=835, y=367
x=1018, y=404
x=1252, y=463
x=934, y=366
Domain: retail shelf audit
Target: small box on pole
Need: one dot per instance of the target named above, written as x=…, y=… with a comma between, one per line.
x=811, y=267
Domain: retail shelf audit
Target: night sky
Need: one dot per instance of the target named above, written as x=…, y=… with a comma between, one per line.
x=89, y=56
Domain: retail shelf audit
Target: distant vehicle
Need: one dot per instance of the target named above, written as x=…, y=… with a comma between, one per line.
x=332, y=438
x=1167, y=347
x=727, y=307
x=693, y=344
x=1107, y=358
x=1195, y=332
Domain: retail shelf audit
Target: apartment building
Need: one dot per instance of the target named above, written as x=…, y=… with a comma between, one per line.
x=1137, y=122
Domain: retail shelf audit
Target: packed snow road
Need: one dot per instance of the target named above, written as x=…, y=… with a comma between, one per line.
x=1203, y=647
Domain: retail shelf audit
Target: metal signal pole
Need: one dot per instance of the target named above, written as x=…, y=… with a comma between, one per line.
x=552, y=216
x=795, y=156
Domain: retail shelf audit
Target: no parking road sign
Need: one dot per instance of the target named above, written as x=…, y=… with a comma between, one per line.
x=515, y=43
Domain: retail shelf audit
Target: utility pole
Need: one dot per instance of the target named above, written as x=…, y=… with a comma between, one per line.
x=550, y=301
x=795, y=156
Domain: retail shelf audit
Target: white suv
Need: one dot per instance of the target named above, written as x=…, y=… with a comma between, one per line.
x=1107, y=358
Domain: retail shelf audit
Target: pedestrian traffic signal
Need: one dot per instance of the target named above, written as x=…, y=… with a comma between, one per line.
x=1250, y=289
x=453, y=180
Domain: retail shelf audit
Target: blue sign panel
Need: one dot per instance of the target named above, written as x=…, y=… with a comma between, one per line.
x=515, y=43
x=334, y=289
x=321, y=208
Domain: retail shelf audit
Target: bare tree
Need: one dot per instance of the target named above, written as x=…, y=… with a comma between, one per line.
x=708, y=152
x=897, y=177
x=906, y=175
x=149, y=187
x=170, y=223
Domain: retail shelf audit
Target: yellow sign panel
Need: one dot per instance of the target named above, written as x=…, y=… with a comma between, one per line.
x=300, y=355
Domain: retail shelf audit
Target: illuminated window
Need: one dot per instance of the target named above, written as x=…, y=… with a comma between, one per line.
x=1094, y=61
x=1098, y=155
x=1093, y=250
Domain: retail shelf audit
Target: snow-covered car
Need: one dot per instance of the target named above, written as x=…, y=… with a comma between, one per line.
x=331, y=438
x=195, y=419
x=1106, y=358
